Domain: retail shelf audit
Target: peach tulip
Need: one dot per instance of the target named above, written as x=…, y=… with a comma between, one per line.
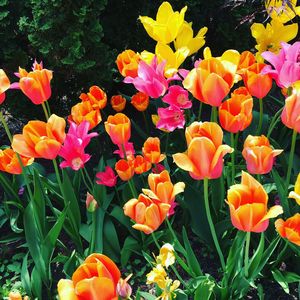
x=128, y=62
x=4, y=85
x=84, y=111
x=40, y=139
x=140, y=101
x=96, y=96
x=147, y=214
x=95, y=279
x=259, y=155
x=151, y=150
x=118, y=103
x=289, y=229
x=9, y=161
x=125, y=169
x=118, y=128
x=248, y=204
x=210, y=82
x=162, y=189
x=204, y=156
x=235, y=114
x=141, y=165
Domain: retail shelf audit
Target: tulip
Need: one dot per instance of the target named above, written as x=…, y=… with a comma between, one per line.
x=162, y=189
x=140, y=101
x=90, y=202
x=4, y=85
x=296, y=193
x=15, y=295
x=166, y=255
x=289, y=229
x=36, y=84
x=40, y=139
x=107, y=178
x=167, y=24
x=259, y=155
x=170, y=118
x=247, y=59
x=9, y=161
x=235, y=114
x=177, y=96
x=125, y=169
x=127, y=63
x=210, y=163
x=124, y=290
x=125, y=151
x=84, y=111
x=118, y=128
x=248, y=205
x=118, y=103
x=151, y=150
x=141, y=165
x=147, y=214
x=96, y=96
x=95, y=279
x=210, y=82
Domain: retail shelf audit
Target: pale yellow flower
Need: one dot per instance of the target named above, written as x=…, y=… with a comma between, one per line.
x=158, y=276
x=167, y=24
x=186, y=38
x=166, y=255
x=169, y=290
x=296, y=193
x=281, y=11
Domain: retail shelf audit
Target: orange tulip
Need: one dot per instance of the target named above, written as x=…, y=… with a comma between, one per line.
x=235, y=114
x=125, y=169
x=257, y=84
x=289, y=229
x=247, y=59
x=248, y=203
x=119, y=128
x=95, y=279
x=162, y=189
x=140, y=101
x=4, y=85
x=241, y=91
x=290, y=116
x=97, y=97
x=84, y=111
x=210, y=82
x=141, y=165
x=9, y=161
x=205, y=139
x=147, y=214
x=118, y=103
x=259, y=155
x=36, y=84
x=128, y=62
x=151, y=150
x=40, y=139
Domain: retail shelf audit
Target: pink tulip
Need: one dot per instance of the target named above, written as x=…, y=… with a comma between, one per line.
x=107, y=178
x=129, y=149
x=170, y=118
x=150, y=79
x=177, y=96
x=286, y=64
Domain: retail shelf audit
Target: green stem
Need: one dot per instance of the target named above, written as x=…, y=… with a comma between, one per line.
x=155, y=240
x=124, y=151
x=232, y=157
x=214, y=114
x=48, y=108
x=274, y=122
x=146, y=123
x=246, y=260
x=211, y=224
x=261, y=113
x=45, y=110
x=200, y=111
x=88, y=177
x=116, y=192
x=291, y=159
x=85, y=182
x=132, y=188
x=175, y=237
x=94, y=231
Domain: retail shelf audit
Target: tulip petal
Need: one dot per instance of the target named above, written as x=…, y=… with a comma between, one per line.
x=183, y=162
x=66, y=290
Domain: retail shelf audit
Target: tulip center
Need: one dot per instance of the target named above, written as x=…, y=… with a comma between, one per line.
x=181, y=99
x=77, y=163
x=177, y=116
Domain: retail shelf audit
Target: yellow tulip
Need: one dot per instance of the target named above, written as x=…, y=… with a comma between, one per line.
x=185, y=38
x=269, y=38
x=281, y=10
x=167, y=24
x=296, y=193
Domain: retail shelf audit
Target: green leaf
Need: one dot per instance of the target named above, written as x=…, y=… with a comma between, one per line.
x=204, y=290
x=100, y=215
x=36, y=283
x=25, y=278
x=130, y=245
x=146, y=295
x=111, y=245
x=255, y=261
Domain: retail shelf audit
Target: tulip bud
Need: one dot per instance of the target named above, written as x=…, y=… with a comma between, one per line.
x=124, y=290
x=91, y=203
x=14, y=296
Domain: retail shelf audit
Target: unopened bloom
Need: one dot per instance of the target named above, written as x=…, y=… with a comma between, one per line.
x=170, y=118
x=119, y=128
x=107, y=178
x=205, y=138
x=124, y=289
x=140, y=101
x=259, y=155
x=4, y=85
x=40, y=139
x=151, y=150
x=90, y=202
x=96, y=278
x=248, y=203
x=286, y=68
x=147, y=214
x=118, y=103
x=128, y=62
x=167, y=24
x=150, y=79
x=9, y=161
x=166, y=255
x=296, y=193
x=125, y=169
x=177, y=96
x=289, y=229
x=96, y=96
x=235, y=114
